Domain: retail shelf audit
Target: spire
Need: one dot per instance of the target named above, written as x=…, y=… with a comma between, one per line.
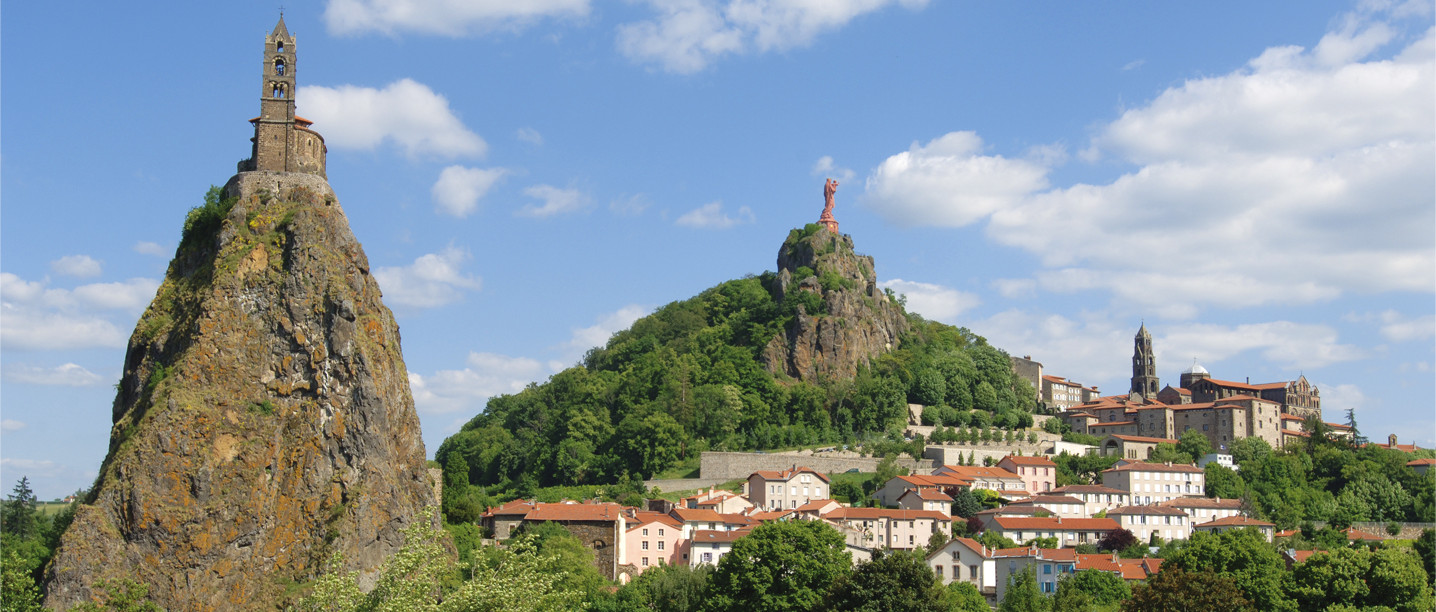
x=279, y=29
x=1142, y=331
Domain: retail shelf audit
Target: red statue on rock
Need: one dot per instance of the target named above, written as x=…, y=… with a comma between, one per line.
x=829, y=188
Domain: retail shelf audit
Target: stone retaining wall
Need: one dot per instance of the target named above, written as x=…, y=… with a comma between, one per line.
x=727, y=466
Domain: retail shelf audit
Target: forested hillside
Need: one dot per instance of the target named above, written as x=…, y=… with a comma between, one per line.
x=690, y=377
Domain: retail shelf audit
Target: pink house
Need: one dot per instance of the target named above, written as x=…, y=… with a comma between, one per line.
x=653, y=539
x=1039, y=473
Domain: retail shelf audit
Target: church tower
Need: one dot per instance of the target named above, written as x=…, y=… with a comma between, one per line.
x=1144, y=366
x=282, y=141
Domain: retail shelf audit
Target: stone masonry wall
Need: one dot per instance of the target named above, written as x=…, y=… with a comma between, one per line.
x=729, y=466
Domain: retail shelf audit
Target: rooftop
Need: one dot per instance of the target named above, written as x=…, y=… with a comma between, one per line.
x=1235, y=521
x=1141, y=466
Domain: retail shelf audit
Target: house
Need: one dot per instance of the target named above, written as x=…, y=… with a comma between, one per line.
x=1356, y=535
x=1069, y=532
x=720, y=501
x=1237, y=522
x=601, y=527
x=896, y=529
x=775, y=490
x=895, y=487
x=982, y=477
x=652, y=539
x=1048, y=564
x=709, y=546
x=1096, y=498
x=1129, y=569
x=815, y=509
x=1058, y=393
x=1221, y=459
x=965, y=560
x=1131, y=447
x=1422, y=466
x=1150, y=483
x=1293, y=556
x=1390, y=440
x=1203, y=509
x=1058, y=505
x=1038, y=474
x=1146, y=521
x=925, y=499
x=501, y=521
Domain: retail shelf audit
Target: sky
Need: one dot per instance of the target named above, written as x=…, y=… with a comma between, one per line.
x=1254, y=182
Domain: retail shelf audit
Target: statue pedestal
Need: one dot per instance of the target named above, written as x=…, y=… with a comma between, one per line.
x=829, y=222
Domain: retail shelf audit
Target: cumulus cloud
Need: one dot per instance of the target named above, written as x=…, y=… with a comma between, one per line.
x=949, y=182
x=530, y=136
x=1087, y=349
x=556, y=201
x=458, y=190
x=1301, y=176
x=443, y=17
x=585, y=338
x=1337, y=398
x=712, y=216
x=469, y=389
x=432, y=280
x=630, y=205
x=406, y=113
x=826, y=168
x=934, y=302
x=11, y=425
x=80, y=266
x=35, y=316
x=1398, y=328
x=67, y=375
x=1294, y=346
x=687, y=35
x=150, y=248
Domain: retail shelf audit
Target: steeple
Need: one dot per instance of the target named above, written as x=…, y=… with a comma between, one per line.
x=282, y=141
x=1144, y=365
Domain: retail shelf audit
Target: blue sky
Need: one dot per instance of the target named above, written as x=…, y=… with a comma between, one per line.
x=1255, y=182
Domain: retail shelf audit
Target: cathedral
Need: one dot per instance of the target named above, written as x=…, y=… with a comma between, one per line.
x=1196, y=386
x=283, y=142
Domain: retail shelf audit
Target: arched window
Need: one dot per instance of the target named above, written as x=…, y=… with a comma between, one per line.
x=279, y=47
x=279, y=67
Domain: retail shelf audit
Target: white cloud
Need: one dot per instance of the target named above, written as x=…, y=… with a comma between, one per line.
x=530, y=136
x=150, y=248
x=949, y=183
x=585, y=338
x=459, y=189
x=485, y=375
x=1304, y=175
x=1087, y=349
x=11, y=425
x=1133, y=65
x=407, y=113
x=443, y=17
x=1294, y=346
x=934, y=302
x=712, y=216
x=687, y=35
x=826, y=168
x=1335, y=399
x=34, y=316
x=1398, y=328
x=630, y=205
x=432, y=280
x=68, y=375
x=1013, y=288
x=80, y=266
x=555, y=201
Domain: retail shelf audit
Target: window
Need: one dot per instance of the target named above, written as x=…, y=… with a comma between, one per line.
x=937, y=569
x=971, y=572
x=645, y=562
x=707, y=557
x=1047, y=569
x=279, y=67
x=645, y=532
x=660, y=533
x=660, y=545
x=279, y=47
x=645, y=545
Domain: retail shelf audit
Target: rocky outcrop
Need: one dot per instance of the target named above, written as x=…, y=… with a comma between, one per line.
x=263, y=421
x=841, y=318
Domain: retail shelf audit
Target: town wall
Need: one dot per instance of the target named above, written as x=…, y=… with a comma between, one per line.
x=728, y=466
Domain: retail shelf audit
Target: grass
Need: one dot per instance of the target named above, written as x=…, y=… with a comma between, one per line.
x=687, y=468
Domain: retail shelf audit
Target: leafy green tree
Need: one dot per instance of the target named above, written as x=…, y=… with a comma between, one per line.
x=1193, y=444
x=1398, y=582
x=18, y=592
x=1245, y=450
x=1105, y=588
x=649, y=444
x=1173, y=588
x=123, y=595
x=896, y=581
x=666, y=588
x=965, y=504
x=1048, y=542
x=1242, y=555
x=1223, y=482
x=779, y=566
x=1070, y=599
x=984, y=397
x=1022, y=594
x=1167, y=452
x=966, y=597
x=992, y=539
x=1326, y=579
x=929, y=388
x=1425, y=546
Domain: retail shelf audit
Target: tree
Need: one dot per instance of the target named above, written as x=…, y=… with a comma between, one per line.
x=17, y=515
x=1069, y=598
x=666, y=588
x=1425, y=546
x=1223, y=482
x=1117, y=539
x=1398, y=582
x=18, y=592
x=1105, y=588
x=1327, y=579
x=1167, y=452
x=1193, y=444
x=1356, y=438
x=123, y=595
x=1245, y=450
x=1242, y=555
x=966, y=597
x=1176, y=589
x=779, y=566
x=965, y=504
x=992, y=539
x=896, y=581
x=1022, y=594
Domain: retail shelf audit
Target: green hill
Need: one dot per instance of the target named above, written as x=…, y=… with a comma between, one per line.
x=783, y=359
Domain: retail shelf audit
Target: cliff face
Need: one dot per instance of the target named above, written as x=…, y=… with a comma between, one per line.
x=263, y=421
x=843, y=319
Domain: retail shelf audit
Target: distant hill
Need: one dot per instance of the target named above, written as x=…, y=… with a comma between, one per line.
x=813, y=353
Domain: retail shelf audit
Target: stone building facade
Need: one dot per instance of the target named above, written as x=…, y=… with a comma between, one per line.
x=282, y=142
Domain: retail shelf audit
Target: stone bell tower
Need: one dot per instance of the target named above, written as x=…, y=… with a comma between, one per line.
x=1144, y=366
x=282, y=141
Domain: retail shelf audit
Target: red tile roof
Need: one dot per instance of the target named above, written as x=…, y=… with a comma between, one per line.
x=867, y=514
x=1049, y=554
x=1300, y=556
x=696, y=515
x=518, y=506
x=770, y=516
x=1353, y=533
x=1112, y=423
x=927, y=495
x=1141, y=466
x=1417, y=462
x=1234, y=521
x=1048, y=499
x=704, y=535
x=1089, y=489
x=978, y=471
x=1203, y=502
x=786, y=475
x=1147, y=510
x=1291, y=417
x=1025, y=460
x=575, y=512
x=1054, y=523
